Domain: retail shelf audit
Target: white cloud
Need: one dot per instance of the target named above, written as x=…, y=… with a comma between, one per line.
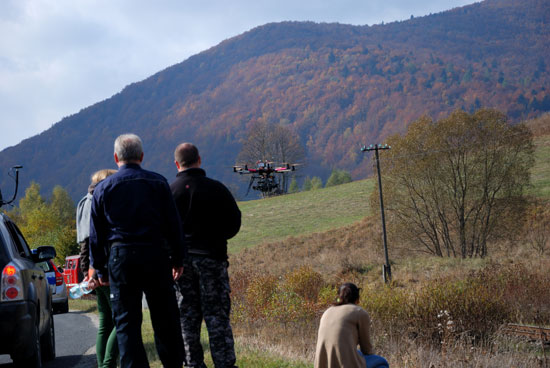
x=59, y=56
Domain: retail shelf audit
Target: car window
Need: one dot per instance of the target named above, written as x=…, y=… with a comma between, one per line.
x=20, y=243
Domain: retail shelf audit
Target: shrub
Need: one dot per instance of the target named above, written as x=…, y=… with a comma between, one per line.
x=305, y=282
x=259, y=294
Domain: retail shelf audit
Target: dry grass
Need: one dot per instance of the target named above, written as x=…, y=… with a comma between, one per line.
x=512, y=285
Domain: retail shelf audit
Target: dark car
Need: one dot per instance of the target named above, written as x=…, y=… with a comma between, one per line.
x=26, y=316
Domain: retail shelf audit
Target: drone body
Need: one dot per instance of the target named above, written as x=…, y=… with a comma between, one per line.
x=263, y=177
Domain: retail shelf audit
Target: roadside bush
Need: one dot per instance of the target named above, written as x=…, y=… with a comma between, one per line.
x=471, y=307
x=259, y=295
x=305, y=282
x=525, y=289
x=287, y=307
x=327, y=295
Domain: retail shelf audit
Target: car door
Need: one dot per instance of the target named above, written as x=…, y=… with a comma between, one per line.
x=32, y=274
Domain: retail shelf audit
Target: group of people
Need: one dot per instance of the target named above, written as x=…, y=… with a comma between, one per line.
x=140, y=235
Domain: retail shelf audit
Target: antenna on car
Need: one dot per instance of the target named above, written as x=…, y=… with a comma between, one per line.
x=15, y=168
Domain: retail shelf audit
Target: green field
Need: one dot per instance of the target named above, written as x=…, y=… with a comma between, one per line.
x=301, y=213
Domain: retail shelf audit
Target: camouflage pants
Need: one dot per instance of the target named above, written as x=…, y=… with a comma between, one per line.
x=203, y=293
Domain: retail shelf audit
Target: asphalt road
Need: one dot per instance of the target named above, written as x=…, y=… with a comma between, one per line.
x=75, y=334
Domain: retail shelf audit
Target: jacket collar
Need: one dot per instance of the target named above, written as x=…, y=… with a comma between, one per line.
x=194, y=171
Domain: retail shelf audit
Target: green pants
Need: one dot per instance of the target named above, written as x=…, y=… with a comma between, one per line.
x=106, y=343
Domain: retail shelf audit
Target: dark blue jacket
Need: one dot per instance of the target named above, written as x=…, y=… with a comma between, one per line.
x=134, y=206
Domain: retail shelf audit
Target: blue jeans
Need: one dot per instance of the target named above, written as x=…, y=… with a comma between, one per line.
x=375, y=361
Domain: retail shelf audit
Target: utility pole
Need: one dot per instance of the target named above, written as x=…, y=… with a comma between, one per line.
x=386, y=270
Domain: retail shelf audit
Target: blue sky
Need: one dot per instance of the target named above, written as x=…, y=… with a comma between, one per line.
x=60, y=56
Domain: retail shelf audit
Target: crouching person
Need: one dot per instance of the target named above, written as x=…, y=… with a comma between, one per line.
x=343, y=328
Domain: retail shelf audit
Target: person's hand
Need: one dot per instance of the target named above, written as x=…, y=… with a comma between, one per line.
x=86, y=279
x=93, y=283
x=177, y=272
x=103, y=281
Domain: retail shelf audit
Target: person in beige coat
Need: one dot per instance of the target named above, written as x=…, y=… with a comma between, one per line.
x=343, y=328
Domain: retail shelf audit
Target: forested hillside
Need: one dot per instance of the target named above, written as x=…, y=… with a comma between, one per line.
x=337, y=86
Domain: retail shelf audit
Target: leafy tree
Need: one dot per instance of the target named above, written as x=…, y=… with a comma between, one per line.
x=338, y=177
x=32, y=199
x=452, y=186
x=47, y=222
x=316, y=183
x=62, y=206
x=307, y=184
x=293, y=188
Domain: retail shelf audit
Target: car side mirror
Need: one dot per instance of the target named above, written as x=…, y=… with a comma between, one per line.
x=44, y=253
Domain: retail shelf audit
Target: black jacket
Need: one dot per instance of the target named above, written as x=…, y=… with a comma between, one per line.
x=209, y=214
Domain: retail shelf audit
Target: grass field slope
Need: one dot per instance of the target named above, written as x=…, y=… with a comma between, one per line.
x=276, y=218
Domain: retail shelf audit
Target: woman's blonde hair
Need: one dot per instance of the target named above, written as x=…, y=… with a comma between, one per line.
x=101, y=174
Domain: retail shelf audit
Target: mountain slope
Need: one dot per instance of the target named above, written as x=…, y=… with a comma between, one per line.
x=337, y=86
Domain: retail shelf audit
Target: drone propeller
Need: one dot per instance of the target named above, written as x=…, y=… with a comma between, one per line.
x=240, y=169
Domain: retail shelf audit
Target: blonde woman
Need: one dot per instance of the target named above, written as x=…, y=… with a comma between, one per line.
x=106, y=342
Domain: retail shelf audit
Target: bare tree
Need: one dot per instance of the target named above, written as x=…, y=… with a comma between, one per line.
x=454, y=185
x=272, y=142
x=537, y=227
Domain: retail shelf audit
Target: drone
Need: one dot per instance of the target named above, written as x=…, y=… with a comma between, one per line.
x=263, y=177
x=16, y=178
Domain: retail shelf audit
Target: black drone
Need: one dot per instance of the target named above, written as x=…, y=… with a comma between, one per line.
x=264, y=178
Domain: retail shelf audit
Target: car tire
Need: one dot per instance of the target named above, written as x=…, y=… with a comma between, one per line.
x=47, y=341
x=34, y=357
x=64, y=307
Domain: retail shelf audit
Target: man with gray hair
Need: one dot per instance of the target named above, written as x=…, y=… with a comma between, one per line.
x=136, y=246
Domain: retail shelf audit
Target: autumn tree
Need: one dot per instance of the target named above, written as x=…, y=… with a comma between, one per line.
x=272, y=142
x=47, y=222
x=452, y=186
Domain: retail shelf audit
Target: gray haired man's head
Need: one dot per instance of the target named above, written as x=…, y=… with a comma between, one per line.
x=129, y=148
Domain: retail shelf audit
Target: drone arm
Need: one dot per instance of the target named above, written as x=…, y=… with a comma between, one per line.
x=249, y=185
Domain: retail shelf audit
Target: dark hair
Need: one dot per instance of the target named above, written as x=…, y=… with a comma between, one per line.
x=347, y=294
x=186, y=154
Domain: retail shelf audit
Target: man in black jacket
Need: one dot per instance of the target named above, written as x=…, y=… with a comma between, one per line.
x=209, y=217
